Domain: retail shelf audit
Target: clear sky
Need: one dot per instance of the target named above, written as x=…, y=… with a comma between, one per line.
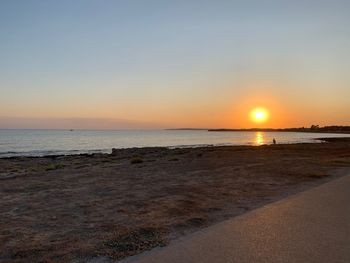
x=157, y=64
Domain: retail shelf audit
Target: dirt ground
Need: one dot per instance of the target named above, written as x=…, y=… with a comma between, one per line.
x=77, y=208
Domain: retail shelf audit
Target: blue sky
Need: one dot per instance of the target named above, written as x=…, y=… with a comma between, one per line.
x=175, y=63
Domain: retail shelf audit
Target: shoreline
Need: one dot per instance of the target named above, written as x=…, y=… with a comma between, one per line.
x=121, y=204
x=277, y=130
x=316, y=129
x=30, y=154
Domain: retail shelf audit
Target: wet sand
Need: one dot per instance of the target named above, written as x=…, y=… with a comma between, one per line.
x=77, y=208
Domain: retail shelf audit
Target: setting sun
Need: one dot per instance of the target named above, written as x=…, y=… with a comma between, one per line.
x=259, y=115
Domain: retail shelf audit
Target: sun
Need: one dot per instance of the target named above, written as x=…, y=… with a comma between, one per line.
x=259, y=115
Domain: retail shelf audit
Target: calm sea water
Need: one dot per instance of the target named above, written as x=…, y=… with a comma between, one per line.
x=49, y=142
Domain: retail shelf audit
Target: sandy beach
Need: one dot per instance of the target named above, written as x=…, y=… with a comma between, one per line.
x=76, y=208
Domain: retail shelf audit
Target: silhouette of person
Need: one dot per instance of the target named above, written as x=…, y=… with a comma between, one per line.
x=274, y=141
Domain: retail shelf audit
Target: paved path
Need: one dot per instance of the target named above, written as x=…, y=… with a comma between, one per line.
x=313, y=226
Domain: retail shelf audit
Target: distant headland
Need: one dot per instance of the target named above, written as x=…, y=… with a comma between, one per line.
x=312, y=128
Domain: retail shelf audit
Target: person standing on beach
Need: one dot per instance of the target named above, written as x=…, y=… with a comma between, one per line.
x=274, y=141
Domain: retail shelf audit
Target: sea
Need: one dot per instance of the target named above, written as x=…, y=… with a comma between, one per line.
x=67, y=142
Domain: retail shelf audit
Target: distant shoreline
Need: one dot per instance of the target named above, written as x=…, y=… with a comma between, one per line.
x=278, y=130
x=312, y=129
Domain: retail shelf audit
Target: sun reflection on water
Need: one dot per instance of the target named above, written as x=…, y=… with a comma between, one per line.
x=259, y=138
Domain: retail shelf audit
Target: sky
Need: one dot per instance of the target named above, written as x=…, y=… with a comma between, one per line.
x=165, y=64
